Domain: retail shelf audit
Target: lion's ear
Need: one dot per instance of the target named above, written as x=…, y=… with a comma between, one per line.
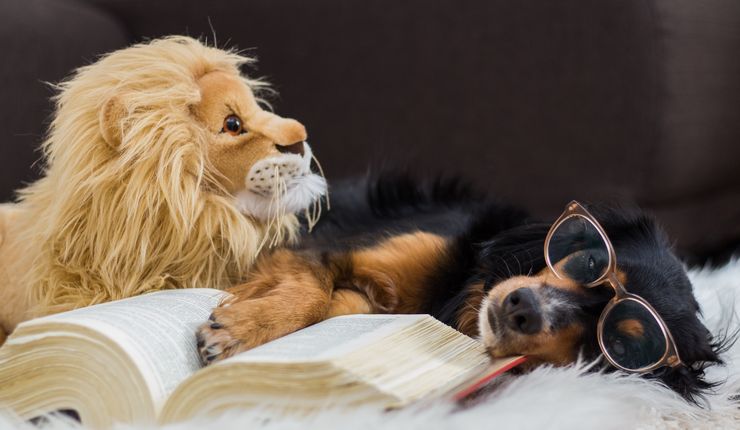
x=111, y=119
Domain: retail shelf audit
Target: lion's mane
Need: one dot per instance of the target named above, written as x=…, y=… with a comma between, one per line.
x=104, y=222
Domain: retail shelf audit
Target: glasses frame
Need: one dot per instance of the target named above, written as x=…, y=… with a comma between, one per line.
x=670, y=356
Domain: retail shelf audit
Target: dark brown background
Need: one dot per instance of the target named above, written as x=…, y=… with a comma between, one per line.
x=539, y=101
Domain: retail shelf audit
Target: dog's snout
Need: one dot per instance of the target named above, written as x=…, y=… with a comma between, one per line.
x=522, y=311
x=296, y=148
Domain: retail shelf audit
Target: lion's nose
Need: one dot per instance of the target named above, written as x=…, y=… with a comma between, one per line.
x=296, y=148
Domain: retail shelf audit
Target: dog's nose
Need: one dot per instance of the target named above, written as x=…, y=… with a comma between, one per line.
x=522, y=312
x=296, y=148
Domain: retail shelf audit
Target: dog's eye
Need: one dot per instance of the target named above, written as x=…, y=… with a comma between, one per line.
x=233, y=126
x=586, y=266
x=593, y=269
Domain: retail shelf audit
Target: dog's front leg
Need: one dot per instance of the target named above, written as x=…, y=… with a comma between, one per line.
x=288, y=291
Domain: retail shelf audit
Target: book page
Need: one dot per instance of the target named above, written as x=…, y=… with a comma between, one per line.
x=329, y=338
x=156, y=329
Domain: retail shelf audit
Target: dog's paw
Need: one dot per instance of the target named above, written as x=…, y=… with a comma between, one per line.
x=216, y=342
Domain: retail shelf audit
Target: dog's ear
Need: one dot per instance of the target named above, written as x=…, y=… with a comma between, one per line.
x=111, y=121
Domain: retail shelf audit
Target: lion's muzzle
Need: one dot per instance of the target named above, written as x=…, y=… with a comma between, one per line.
x=282, y=183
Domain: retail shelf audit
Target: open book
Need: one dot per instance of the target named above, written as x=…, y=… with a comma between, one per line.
x=135, y=360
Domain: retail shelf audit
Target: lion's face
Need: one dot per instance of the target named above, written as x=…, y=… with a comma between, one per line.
x=260, y=158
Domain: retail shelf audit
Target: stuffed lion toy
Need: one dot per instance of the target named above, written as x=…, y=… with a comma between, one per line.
x=162, y=171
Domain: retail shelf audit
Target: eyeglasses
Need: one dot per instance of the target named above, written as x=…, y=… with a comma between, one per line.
x=631, y=334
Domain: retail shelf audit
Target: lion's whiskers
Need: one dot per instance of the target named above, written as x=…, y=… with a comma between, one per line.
x=273, y=213
x=281, y=189
x=321, y=172
x=313, y=213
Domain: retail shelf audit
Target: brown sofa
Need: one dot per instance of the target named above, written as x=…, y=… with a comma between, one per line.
x=539, y=101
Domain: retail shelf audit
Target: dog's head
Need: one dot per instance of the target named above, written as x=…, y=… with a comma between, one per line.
x=527, y=309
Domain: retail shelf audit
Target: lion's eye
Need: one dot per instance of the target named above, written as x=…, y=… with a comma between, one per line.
x=233, y=125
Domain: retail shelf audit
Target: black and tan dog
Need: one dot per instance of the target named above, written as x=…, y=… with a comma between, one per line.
x=392, y=246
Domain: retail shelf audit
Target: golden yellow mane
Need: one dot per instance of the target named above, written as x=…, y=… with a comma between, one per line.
x=109, y=222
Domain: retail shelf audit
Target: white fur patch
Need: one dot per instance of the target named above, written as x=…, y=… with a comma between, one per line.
x=486, y=336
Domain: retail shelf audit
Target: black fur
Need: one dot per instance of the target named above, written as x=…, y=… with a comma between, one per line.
x=492, y=241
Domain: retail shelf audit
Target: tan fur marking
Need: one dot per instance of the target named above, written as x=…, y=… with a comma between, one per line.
x=631, y=327
x=558, y=347
x=467, y=316
x=393, y=273
x=621, y=276
x=546, y=276
x=348, y=302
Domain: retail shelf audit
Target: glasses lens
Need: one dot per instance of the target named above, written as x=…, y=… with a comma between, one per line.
x=577, y=251
x=632, y=337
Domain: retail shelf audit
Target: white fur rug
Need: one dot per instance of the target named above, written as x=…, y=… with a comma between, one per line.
x=567, y=398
